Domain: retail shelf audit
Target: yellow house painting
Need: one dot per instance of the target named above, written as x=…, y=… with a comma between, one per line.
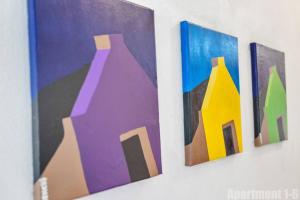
x=219, y=133
x=211, y=94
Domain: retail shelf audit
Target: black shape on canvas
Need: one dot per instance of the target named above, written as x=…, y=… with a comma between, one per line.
x=228, y=139
x=136, y=162
x=280, y=129
x=193, y=101
x=55, y=103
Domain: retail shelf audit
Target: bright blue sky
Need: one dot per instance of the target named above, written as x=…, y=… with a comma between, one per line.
x=199, y=46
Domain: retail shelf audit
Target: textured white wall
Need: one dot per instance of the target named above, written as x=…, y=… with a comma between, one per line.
x=275, y=23
x=15, y=111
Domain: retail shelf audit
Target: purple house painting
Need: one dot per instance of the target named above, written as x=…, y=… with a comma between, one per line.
x=94, y=96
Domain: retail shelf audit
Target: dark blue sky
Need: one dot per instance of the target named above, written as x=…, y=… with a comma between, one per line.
x=65, y=31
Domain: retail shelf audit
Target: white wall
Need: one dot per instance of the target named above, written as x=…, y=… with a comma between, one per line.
x=15, y=111
x=275, y=23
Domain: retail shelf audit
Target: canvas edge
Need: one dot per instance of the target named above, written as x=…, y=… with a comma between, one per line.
x=214, y=30
x=137, y=5
x=33, y=86
x=184, y=57
x=255, y=89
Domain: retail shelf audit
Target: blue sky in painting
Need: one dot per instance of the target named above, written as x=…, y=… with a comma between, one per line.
x=199, y=46
x=63, y=31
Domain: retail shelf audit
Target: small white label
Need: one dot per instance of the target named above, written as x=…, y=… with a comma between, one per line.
x=44, y=188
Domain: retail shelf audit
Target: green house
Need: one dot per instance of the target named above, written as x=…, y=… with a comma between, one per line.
x=276, y=108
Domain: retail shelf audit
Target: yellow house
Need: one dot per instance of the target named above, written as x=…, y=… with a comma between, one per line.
x=221, y=113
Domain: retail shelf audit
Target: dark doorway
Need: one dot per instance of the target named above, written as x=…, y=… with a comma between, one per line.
x=280, y=128
x=136, y=162
x=227, y=131
x=230, y=139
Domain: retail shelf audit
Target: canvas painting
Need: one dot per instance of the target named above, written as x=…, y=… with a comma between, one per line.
x=211, y=94
x=94, y=96
x=269, y=95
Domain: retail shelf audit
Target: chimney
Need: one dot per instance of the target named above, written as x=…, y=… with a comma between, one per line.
x=272, y=69
x=102, y=42
x=217, y=61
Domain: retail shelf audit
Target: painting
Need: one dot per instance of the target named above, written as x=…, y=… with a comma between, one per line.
x=269, y=95
x=211, y=94
x=94, y=96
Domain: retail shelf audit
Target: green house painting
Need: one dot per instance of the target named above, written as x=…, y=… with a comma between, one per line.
x=269, y=95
